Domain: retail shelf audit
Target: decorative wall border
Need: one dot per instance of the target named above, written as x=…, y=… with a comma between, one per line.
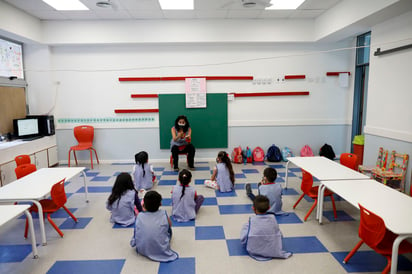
x=142, y=119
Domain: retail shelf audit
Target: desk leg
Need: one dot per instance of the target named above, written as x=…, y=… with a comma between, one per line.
x=286, y=175
x=321, y=193
x=32, y=235
x=85, y=186
x=41, y=221
x=395, y=250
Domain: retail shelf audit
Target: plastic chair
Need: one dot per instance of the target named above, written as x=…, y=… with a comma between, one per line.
x=381, y=162
x=25, y=169
x=22, y=159
x=395, y=175
x=84, y=136
x=349, y=160
x=57, y=201
x=373, y=232
x=312, y=191
x=171, y=158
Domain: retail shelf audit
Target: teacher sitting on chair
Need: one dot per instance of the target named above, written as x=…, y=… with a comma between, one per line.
x=180, y=143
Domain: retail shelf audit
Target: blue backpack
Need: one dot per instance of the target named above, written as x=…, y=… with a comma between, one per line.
x=273, y=154
x=286, y=152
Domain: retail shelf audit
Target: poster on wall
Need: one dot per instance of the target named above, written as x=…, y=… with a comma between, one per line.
x=195, y=92
x=11, y=59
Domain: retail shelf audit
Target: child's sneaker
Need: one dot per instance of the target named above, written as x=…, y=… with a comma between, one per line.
x=248, y=189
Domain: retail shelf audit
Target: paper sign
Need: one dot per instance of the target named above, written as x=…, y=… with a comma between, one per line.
x=343, y=80
x=195, y=92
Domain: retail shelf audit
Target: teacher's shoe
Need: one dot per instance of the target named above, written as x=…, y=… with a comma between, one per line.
x=192, y=168
x=176, y=169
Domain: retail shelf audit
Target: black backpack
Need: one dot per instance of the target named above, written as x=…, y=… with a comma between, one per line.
x=327, y=151
x=274, y=154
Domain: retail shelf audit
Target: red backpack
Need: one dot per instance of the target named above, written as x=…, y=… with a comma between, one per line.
x=258, y=154
x=306, y=151
x=237, y=155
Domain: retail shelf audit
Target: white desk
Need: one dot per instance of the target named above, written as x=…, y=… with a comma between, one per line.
x=9, y=212
x=37, y=185
x=391, y=205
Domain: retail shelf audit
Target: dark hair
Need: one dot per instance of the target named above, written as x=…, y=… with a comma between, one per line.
x=185, y=176
x=222, y=155
x=152, y=201
x=141, y=158
x=270, y=173
x=187, y=125
x=122, y=184
x=261, y=203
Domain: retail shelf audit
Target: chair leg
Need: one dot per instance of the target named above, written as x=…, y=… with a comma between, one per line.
x=91, y=157
x=334, y=206
x=26, y=228
x=353, y=251
x=311, y=209
x=75, y=157
x=54, y=225
x=300, y=198
x=71, y=214
x=97, y=158
x=388, y=266
x=69, y=156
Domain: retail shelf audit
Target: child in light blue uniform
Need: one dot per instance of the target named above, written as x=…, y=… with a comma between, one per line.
x=185, y=201
x=261, y=235
x=123, y=200
x=142, y=172
x=270, y=189
x=223, y=173
x=152, y=232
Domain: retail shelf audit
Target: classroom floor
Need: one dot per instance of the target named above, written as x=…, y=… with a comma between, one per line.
x=210, y=244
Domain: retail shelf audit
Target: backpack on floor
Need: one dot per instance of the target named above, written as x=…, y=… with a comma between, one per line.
x=327, y=151
x=286, y=152
x=237, y=155
x=273, y=154
x=258, y=154
x=248, y=156
x=306, y=151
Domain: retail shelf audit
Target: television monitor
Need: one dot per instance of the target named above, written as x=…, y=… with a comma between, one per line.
x=26, y=128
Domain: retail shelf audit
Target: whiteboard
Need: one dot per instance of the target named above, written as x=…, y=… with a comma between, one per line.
x=11, y=59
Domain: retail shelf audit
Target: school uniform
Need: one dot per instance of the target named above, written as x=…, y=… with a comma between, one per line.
x=184, y=209
x=262, y=238
x=123, y=209
x=142, y=181
x=223, y=178
x=182, y=146
x=152, y=234
x=273, y=192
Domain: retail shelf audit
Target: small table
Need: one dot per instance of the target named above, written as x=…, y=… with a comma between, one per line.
x=10, y=212
x=391, y=205
x=37, y=185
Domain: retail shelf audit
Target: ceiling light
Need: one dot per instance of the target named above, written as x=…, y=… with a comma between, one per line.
x=176, y=4
x=66, y=4
x=285, y=4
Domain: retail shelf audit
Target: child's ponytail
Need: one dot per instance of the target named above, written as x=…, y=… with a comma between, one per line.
x=223, y=156
x=185, y=176
x=141, y=158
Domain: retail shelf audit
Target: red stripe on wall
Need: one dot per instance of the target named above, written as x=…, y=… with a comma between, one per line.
x=135, y=110
x=144, y=95
x=287, y=93
x=295, y=77
x=336, y=73
x=178, y=78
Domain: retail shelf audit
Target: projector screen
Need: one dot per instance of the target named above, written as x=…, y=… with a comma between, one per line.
x=11, y=59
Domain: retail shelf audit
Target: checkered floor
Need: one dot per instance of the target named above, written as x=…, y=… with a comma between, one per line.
x=210, y=244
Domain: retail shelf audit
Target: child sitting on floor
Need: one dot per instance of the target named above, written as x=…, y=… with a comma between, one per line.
x=223, y=173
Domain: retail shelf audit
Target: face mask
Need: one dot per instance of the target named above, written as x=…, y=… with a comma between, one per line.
x=181, y=125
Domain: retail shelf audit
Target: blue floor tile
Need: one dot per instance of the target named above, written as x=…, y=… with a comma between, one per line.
x=100, y=179
x=91, y=174
x=289, y=191
x=235, y=209
x=276, y=166
x=279, y=180
x=342, y=216
x=115, y=226
x=209, y=201
x=283, y=174
x=240, y=176
x=250, y=170
x=202, y=168
x=14, y=253
x=369, y=261
x=181, y=265
x=158, y=168
x=290, y=218
x=71, y=224
x=235, y=248
x=200, y=181
x=209, y=233
x=182, y=224
x=87, y=267
x=308, y=244
x=170, y=172
x=295, y=169
x=242, y=186
x=166, y=201
x=167, y=182
x=225, y=194
x=59, y=214
x=96, y=189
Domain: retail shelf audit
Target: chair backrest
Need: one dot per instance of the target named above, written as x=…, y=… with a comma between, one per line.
x=58, y=194
x=349, y=160
x=84, y=134
x=398, y=164
x=22, y=159
x=372, y=228
x=382, y=159
x=307, y=182
x=23, y=170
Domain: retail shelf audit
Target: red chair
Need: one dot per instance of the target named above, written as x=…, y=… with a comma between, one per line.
x=84, y=136
x=23, y=170
x=57, y=201
x=349, y=160
x=22, y=159
x=312, y=191
x=373, y=232
x=171, y=158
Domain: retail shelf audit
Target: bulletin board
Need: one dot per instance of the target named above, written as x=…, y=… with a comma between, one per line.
x=209, y=125
x=12, y=106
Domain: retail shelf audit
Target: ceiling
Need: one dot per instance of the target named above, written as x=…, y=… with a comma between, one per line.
x=150, y=9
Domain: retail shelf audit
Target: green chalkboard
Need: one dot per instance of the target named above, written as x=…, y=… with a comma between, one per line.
x=209, y=125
